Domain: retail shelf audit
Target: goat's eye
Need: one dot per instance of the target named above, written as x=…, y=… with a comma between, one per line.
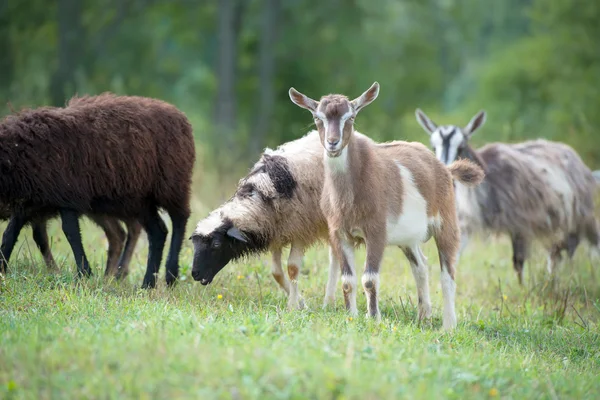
x=216, y=244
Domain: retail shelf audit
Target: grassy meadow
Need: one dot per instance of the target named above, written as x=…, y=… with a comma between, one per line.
x=235, y=339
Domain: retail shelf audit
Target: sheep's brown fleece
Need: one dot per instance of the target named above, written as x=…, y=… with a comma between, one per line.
x=122, y=156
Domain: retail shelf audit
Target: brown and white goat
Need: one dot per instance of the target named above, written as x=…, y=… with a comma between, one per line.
x=537, y=189
x=395, y=193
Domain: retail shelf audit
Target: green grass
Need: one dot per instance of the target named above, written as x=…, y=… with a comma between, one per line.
x=235, y=339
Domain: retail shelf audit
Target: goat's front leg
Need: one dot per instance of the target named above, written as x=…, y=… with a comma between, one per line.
x=294, y=265
x=376, y=242
x=344, y=253
x=334, y=273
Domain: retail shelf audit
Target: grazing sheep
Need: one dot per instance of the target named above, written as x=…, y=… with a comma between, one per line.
x=118, y=156
x=395, y=193
x=537, y=189
x=275, y=205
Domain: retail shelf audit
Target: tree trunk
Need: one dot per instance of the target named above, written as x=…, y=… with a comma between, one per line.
x=6, y=60
x=229, y=23
x=70, y=47
x=266, y=89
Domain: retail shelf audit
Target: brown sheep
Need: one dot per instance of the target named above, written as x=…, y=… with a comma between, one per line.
x=118, y=156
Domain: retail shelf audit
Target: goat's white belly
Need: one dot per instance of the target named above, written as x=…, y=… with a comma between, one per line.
x=409, y=229
x=411, y=226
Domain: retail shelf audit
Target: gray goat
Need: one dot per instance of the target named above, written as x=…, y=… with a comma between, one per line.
x=537, y=189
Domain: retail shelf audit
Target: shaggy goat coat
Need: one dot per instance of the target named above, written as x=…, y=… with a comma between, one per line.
x=121, y=156
x=536, y=189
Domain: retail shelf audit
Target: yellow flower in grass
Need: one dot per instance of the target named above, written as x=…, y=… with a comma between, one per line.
x=505, y=297
x=219, y=296
x=349, y=318
x=493, y=391
x=240, y=277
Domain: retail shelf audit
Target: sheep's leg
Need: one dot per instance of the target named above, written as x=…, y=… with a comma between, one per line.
x=519, y=245
x=172, y=270
x=447, y=241
x=157, y=236
x=70, y=227
x=334, y=273
x=11, y=234
x=294, y=265
x=115, y=236
x=40, y=237
x=344, y=253
x=420, y=272
x=376, y=242
x=277, y=271
x=133, y=234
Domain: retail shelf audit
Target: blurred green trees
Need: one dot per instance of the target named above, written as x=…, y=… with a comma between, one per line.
x=534, y=65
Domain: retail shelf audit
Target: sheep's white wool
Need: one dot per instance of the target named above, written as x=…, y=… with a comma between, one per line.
x=410, y=227
x=208, y=225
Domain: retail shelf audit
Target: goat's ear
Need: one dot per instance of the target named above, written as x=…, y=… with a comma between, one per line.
x=425, y=121
x=475, y=123
x=237, y=234
x=302, y=100
x=366, y=98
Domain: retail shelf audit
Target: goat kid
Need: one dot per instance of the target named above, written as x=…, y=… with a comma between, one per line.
x=395, y=193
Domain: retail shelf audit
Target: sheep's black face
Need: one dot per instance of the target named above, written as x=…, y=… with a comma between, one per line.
x=211, y=254
x=214, y=250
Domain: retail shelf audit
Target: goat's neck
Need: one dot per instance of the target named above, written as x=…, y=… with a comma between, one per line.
x=471, y=154
x=342, y=170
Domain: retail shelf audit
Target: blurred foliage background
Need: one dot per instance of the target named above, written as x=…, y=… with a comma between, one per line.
x=533, y=65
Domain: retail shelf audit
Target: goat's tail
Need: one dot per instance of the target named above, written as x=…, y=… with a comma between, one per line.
x=466, y=172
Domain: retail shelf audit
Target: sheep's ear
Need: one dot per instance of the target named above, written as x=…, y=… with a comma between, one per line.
x=475, y=123
x=366, y=98
x=425, y=121
x=303, y=100
x=237, y=234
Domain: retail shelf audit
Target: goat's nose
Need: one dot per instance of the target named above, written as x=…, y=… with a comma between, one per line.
x=333, y=142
